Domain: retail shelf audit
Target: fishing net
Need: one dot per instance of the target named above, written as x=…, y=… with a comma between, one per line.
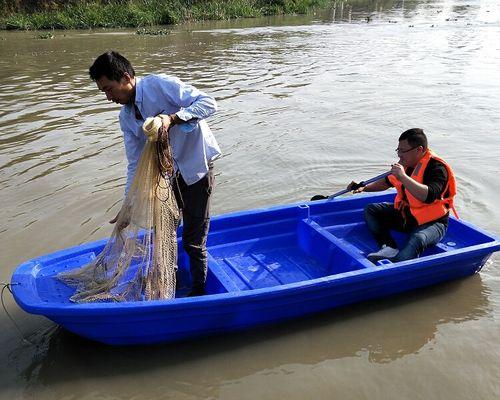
x=140, y=259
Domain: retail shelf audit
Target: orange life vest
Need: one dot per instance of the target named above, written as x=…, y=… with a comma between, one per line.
x=421, y=211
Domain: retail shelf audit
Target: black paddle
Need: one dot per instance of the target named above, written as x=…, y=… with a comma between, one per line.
x=354, y=187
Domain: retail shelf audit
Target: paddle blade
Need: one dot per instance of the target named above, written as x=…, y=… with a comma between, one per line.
x=318, y=197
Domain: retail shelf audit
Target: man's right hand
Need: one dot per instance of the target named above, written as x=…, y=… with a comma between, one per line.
x=353, y=187
x=124, y=222
x=114, y=219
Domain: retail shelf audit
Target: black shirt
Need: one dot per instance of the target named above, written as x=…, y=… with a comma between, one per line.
x=435, y=177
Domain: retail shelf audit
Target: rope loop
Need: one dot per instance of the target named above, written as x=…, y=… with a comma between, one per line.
x=8, y=286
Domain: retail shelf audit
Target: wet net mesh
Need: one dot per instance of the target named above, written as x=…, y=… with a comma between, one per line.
x=140, y=259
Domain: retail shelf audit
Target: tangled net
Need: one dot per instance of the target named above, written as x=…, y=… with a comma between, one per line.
x=140, y=259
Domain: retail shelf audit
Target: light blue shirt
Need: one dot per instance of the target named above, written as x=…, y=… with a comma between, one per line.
x=193, y=144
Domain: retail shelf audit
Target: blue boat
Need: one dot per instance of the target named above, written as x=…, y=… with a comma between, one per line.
x=265, y=265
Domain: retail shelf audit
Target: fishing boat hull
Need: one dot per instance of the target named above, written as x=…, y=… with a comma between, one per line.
x=265, y=266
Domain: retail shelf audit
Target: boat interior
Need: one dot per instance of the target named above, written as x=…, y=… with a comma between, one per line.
x=270, y=247
x=305, y=242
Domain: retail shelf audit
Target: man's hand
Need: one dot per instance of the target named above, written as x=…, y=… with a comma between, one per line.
x=113, y=221
x=169, y=120
x=353, y=187
x=398, y=171
x=418, y=190
x=123, y=222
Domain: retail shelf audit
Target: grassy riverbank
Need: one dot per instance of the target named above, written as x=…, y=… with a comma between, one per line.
x=19, y=14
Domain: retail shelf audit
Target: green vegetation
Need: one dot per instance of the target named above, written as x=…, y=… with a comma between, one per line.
x=85, y=14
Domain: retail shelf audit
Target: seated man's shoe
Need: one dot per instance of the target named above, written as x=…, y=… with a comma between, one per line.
x=385, y=252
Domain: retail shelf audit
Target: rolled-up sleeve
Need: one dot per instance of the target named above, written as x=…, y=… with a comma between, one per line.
x=193, y=103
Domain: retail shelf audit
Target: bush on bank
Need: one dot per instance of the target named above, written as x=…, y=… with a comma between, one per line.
x=73, y=14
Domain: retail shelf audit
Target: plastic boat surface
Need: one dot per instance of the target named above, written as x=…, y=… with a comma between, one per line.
x=265, y=265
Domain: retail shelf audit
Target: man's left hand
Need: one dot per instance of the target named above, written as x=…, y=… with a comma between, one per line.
x=355, y=188
x=167, y=121
x=398, y=171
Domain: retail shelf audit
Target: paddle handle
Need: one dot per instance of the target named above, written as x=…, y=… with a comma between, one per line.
x=360, y=184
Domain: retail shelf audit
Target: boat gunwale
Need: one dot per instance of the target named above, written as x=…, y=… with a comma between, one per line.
x=186, y=303
x=23, y=277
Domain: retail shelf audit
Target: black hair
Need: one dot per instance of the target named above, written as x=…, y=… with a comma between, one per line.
x=112, y=65
x=415, y=137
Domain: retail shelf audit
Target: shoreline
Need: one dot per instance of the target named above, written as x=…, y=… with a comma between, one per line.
x=141, y=14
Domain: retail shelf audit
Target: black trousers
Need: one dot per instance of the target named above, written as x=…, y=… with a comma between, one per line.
x=194, y=202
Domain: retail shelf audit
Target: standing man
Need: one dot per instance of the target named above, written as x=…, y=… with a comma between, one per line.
x=183, y=110
x=425, y=187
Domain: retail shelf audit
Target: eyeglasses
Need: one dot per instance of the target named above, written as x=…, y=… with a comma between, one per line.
x=401, y=151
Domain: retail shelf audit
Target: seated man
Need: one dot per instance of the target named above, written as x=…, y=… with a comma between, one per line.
x=425, y=187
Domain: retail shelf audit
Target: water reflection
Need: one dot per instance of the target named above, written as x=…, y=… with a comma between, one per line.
x=383, y=330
